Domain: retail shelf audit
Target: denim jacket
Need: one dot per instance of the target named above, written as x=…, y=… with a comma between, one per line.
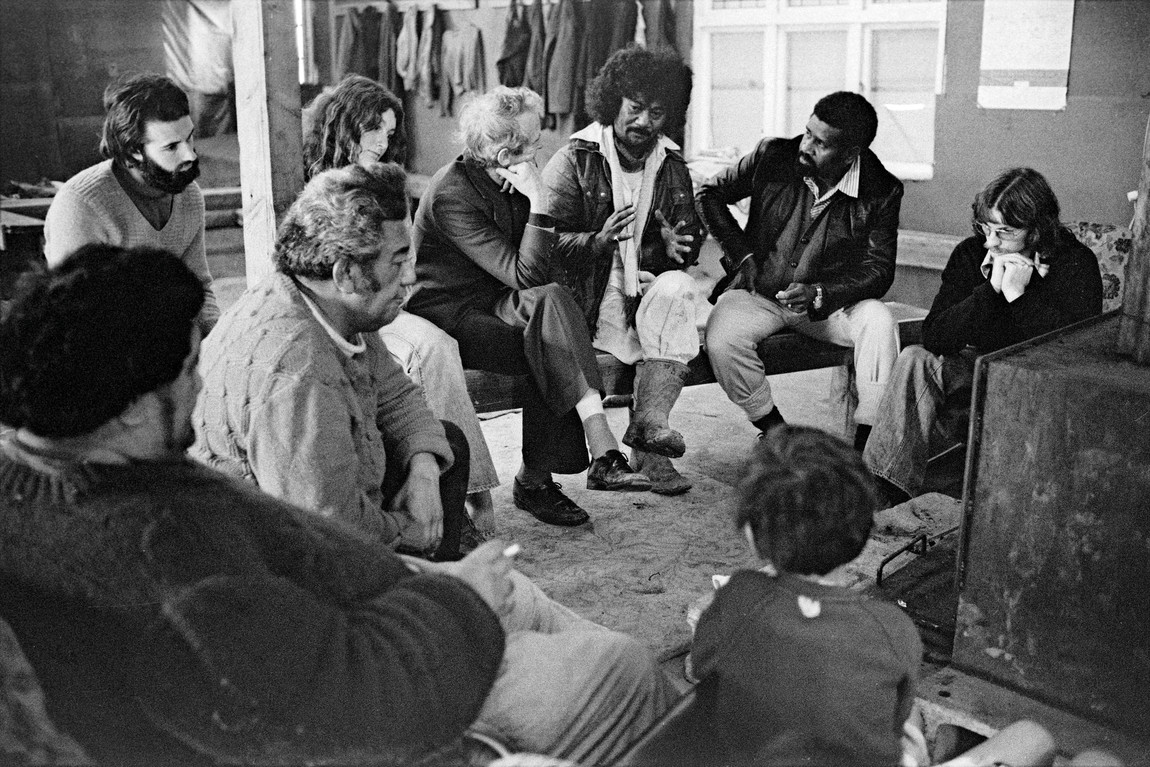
x=580, y=199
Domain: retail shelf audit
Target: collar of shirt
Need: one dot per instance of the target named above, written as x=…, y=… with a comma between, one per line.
x=345, y=346
x=848, y=184
x=593, y=134
x=1041, y=268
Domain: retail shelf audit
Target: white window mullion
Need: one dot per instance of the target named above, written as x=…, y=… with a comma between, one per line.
x=853, y=77
x=779, y=81
x=772, y=86
x=865, y=85
x=701, y=108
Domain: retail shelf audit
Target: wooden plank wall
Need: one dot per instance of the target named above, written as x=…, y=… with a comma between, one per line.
x=56, y=57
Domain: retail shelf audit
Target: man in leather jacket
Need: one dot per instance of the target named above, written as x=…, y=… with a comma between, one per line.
x=621, y=199
x=817, y=252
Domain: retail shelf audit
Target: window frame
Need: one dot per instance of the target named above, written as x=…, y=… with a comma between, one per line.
x=774, y=19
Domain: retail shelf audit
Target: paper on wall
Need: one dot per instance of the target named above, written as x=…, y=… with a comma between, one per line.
x=1025, y=60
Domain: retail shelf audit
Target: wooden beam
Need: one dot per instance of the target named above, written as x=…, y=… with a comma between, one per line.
x=268, y=118
x=1134, y=327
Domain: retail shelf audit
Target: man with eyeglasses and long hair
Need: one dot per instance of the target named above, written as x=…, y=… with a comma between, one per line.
x=1021, y=274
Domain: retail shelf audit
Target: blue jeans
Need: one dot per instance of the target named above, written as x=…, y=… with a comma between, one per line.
x=927, y=401
x=430, y=358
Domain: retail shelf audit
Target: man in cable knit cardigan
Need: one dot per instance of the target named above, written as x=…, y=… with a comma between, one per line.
x=145, y=192
x=301, y=397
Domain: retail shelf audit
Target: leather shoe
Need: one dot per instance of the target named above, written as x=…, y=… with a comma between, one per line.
x=547, y=504
x=611, y=471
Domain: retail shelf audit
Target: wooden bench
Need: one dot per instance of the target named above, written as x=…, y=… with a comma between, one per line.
x=785, y=352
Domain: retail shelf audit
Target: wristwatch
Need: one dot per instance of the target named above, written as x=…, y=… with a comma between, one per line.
x=818, y=302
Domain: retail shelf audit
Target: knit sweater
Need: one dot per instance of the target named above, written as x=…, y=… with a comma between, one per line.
x=968, y=311
x=93, y=207
x=162, y=597
x=284, y=407
x=795, y=672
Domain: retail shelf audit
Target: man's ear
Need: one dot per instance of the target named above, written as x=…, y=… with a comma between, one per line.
x=502, y=156
x=345, y=275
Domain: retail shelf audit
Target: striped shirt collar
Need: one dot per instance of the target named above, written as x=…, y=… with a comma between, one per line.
x=848, y=184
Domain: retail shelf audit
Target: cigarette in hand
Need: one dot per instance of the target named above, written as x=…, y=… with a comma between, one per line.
x=511, y=550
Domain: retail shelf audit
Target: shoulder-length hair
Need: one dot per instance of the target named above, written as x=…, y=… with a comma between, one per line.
x=659, y=74
x=1026, y=201
x=338, y=119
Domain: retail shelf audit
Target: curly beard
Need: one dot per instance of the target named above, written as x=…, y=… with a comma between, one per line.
x=172, y=182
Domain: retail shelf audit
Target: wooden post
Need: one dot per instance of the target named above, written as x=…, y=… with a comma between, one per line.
x=268, y=119
x=1134, y=328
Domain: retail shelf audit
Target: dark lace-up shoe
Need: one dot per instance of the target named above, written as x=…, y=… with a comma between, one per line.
x=548, y=504
x=611, y=471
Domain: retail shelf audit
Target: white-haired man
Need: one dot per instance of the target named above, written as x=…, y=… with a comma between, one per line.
x=484, y=274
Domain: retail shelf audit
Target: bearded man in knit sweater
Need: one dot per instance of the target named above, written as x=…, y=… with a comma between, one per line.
x=145, y=192
x=178, y=616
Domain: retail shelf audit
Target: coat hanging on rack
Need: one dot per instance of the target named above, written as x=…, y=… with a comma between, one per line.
x=535, y=69
x=564, y=56
x=356, y=51
x=407, y=49
x=516, y=42
x=430, y=55
x=388, y=30
x=661, y=31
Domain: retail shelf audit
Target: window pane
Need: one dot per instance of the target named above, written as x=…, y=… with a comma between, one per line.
x=736, y=89
x=722, y=5
x=903, y=63
x=816, y=2
x=816, y=66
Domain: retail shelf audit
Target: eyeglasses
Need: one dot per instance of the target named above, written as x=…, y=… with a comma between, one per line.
x=1004, y=233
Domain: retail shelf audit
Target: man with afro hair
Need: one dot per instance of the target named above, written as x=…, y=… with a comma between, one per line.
x=621, y=198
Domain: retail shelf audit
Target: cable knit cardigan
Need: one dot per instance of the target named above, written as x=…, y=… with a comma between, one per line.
x=163, y=597
x=282, y=406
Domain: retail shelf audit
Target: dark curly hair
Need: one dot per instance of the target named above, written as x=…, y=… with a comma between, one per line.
x=339, y=117
x=129, y=104
x=82, y=341
x=340, y=214
x=658, y=74
x=850, y=113
x=1026, y=201
x=808, y=498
